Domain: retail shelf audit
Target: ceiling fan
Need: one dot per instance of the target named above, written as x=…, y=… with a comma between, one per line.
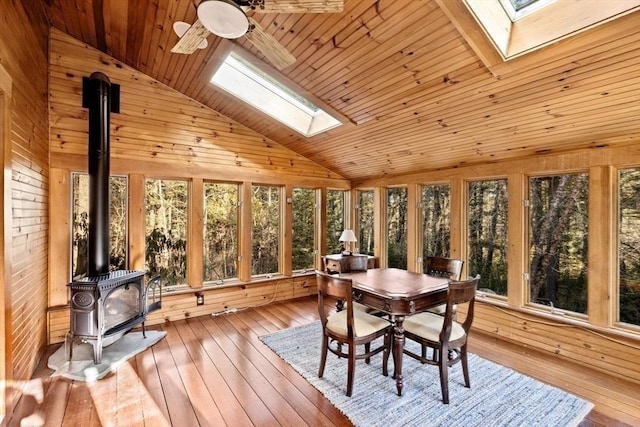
x=228, y=19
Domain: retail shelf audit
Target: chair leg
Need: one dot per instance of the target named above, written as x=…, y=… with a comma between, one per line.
x=385, y=354
x=367, y=349
x=424, y=352
x=351, y=368
x=465, y=365
x=323, y=355
x=444, y=374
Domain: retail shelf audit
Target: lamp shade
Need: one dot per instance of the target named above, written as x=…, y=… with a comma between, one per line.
x=348, y=236
x=223, y=18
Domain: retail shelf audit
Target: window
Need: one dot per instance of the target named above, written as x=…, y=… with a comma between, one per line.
x=335, y=220
x=166, y=230
x=80, y=224
x=435, y=221
x=303, y=229
x=247, y=82
x=397, y=227
x=558, y=241
x=365, y=209
x=487, y=234
x=220, y=234
x=265, y=230
x=629, y=247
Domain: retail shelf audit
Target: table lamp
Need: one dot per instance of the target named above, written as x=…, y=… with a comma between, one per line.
x=347, y=236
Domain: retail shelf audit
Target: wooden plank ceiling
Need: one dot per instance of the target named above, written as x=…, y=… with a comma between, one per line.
x=416, y=95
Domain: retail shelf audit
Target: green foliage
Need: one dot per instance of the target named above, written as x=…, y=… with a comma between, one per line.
x=487, y=219
x=302, y=228
x=265, y=231
x=397, y=227
x=335, y=220
x=558, y=239
x=436, y=217
x=166, y=256
x=220, y=231
x=166, y=230
x=365, y=222
x=80, y=224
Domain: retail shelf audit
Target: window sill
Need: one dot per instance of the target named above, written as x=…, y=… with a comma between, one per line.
x=231, y=283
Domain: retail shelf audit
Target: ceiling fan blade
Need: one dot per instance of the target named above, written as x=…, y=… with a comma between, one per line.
x=194, y=38
x=301, y=6
x=272, y=50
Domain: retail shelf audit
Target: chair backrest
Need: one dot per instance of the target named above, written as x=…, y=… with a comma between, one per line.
x=443, y=267
x=358, y=263
x=459, y=292
x=334, y=288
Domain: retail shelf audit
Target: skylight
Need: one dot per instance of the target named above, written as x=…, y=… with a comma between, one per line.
x=516, y=27
x=255, y=87
x=517, y=9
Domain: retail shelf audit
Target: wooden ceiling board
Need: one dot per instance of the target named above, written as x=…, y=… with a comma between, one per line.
x=416, y=94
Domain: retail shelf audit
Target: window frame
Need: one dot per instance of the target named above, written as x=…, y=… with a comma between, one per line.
x=385, y=224
x=314, y=228
x=616, y=322
x=72, y=175
x=527, y=303
x=217, y=283
x=465, y=217
x=421, y=218
x=280, y=244
x=188, y=205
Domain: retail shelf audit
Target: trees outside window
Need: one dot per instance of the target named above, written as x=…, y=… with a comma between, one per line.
x=335, y=220
x=220, y=232
x=265, y=229
x=166, y=230
x=80, y=224
x=629, y=247
x=558, y=241
x=436, y=218
x=302, y=233
x=365, y=209
x=397, y=227
x=487, y=234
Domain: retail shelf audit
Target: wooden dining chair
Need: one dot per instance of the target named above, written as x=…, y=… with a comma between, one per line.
x=348, y=329
x=358, y=263
x=446, y=337
x=443, y=267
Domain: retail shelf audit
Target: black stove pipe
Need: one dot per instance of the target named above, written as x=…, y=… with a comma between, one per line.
x=101, y=98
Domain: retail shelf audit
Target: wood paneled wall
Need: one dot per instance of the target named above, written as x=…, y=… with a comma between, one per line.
x=25, y=161
x=159, y=133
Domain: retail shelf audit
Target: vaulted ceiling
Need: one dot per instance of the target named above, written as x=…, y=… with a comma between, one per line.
x=415, y=93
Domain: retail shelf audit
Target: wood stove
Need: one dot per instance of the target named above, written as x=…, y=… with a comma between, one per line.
x=106, y=307
x=106, y=304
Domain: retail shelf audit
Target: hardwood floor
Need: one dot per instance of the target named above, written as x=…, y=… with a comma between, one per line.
x=214, y=371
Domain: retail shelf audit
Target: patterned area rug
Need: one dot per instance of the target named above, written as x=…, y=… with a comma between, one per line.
x=498, y=396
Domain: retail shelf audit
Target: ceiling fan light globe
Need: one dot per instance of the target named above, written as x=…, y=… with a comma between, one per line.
x=222, y=18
